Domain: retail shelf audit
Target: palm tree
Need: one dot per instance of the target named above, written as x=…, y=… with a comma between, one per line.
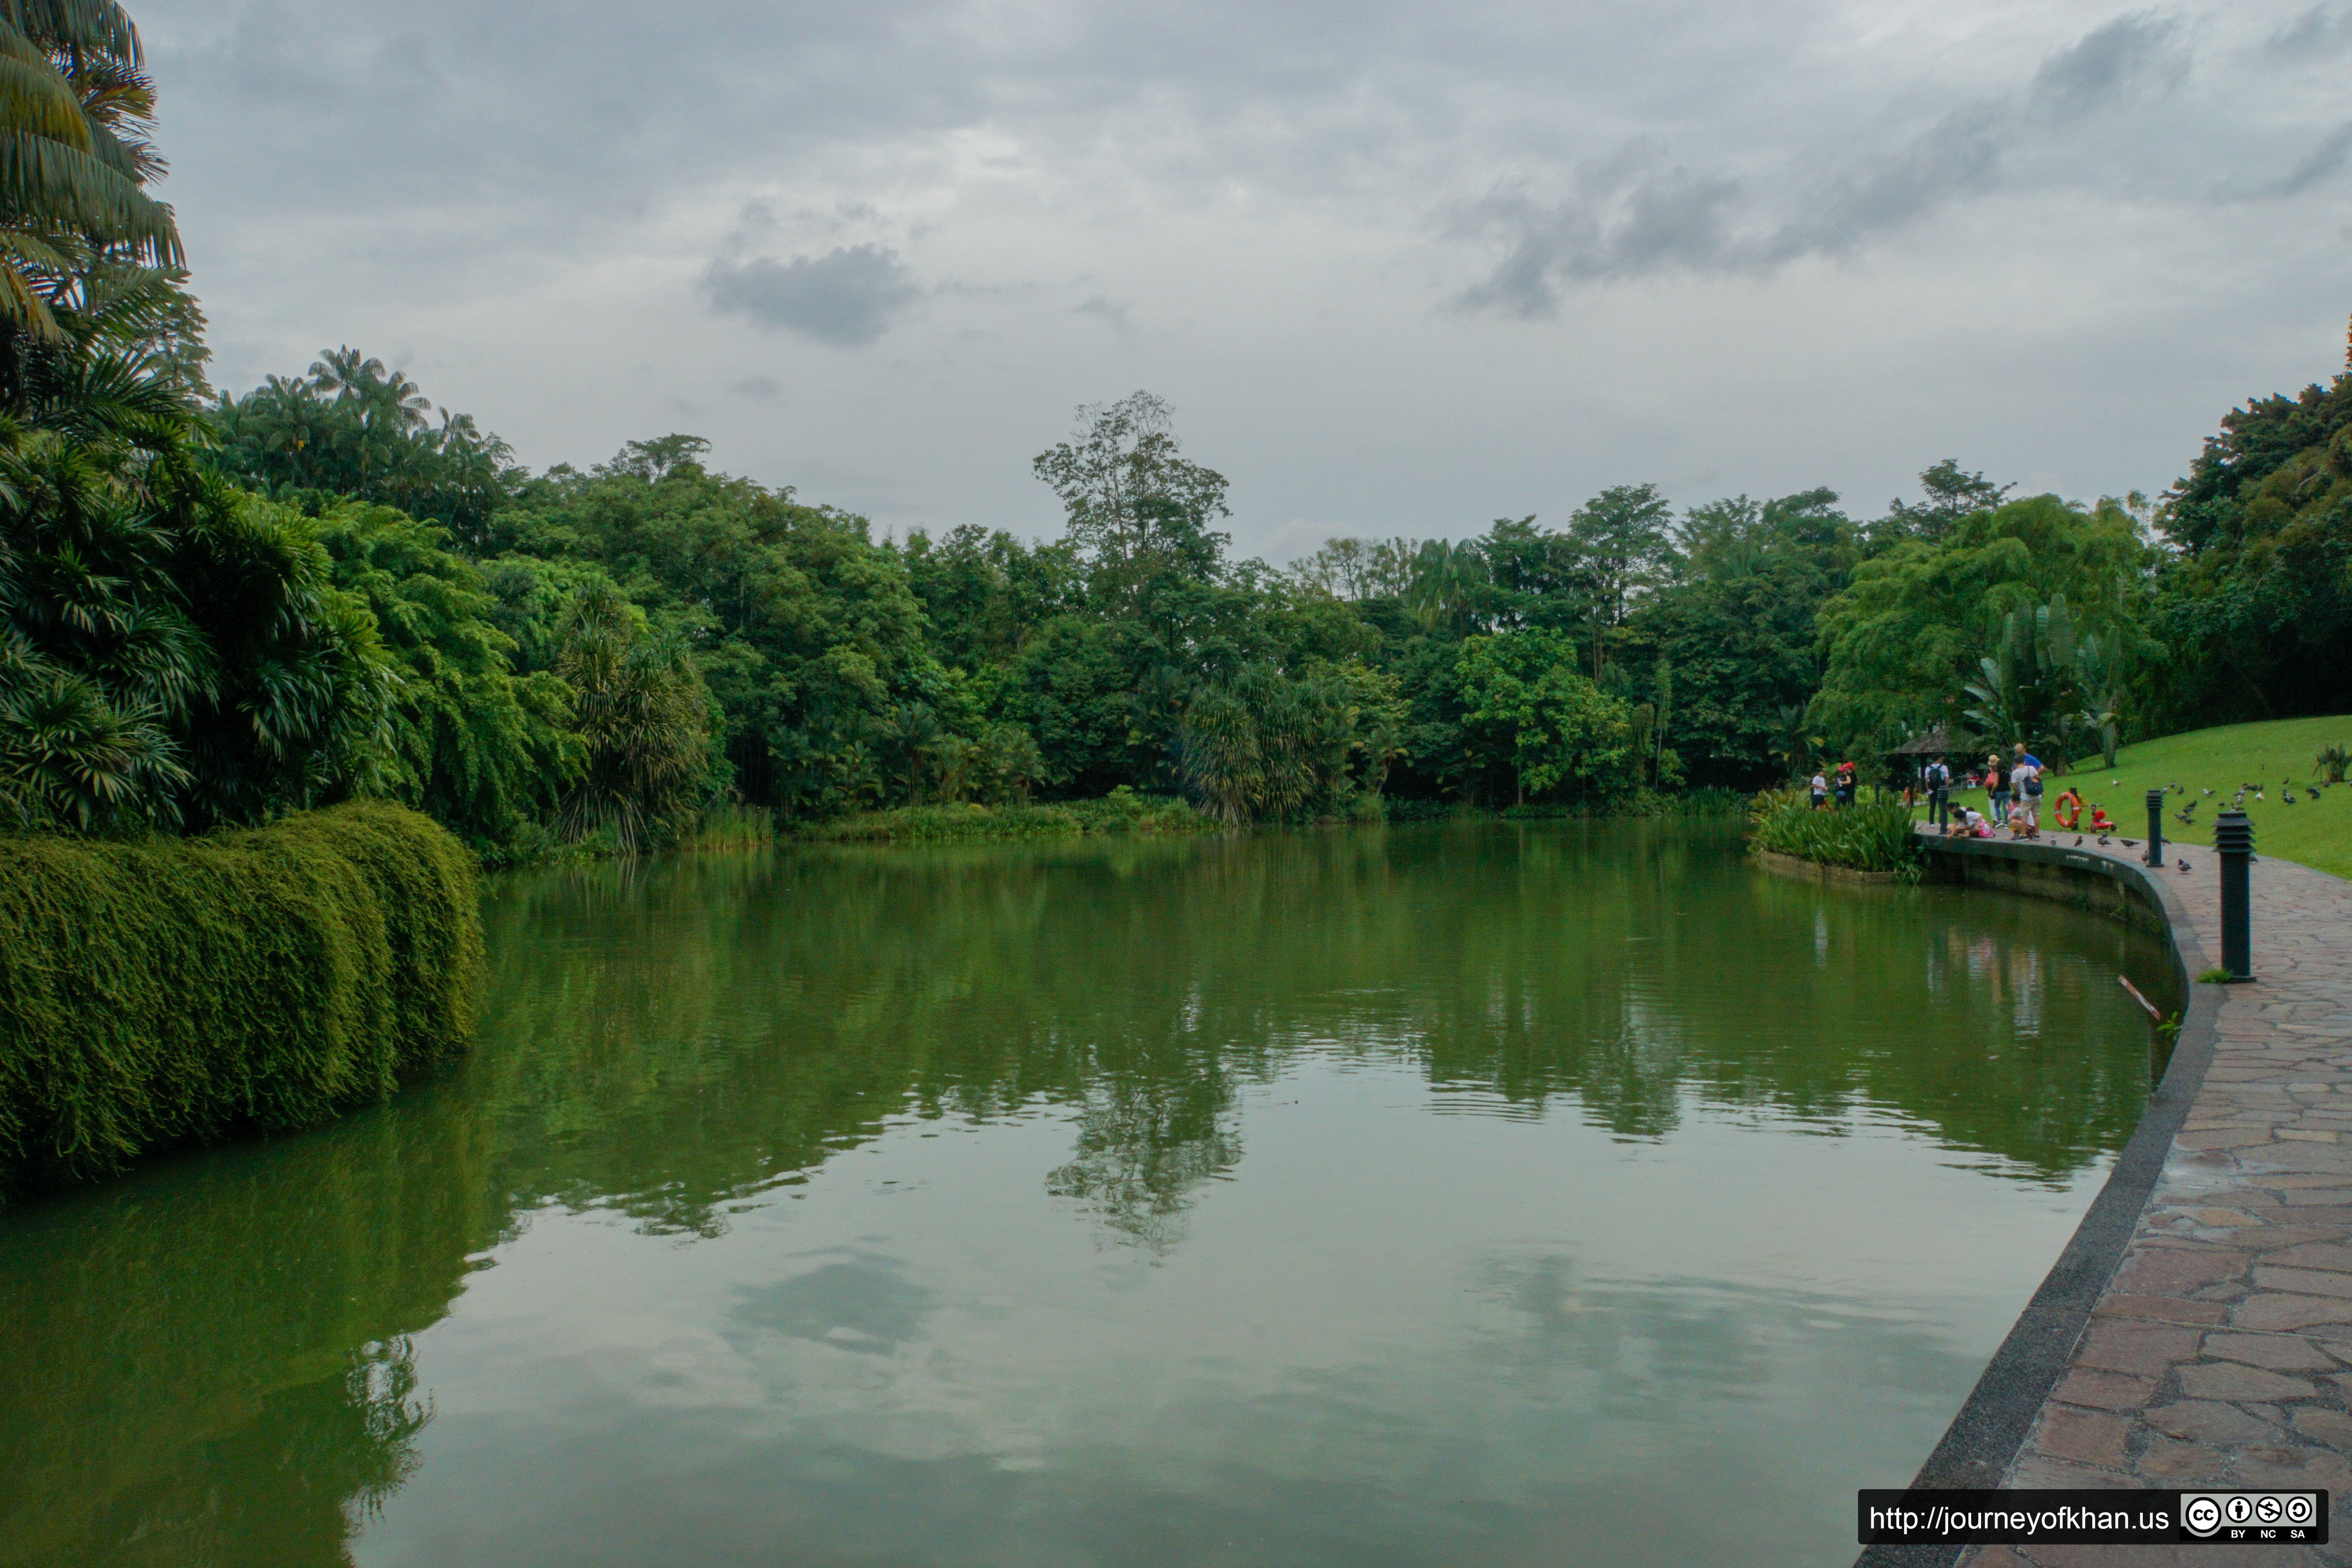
x=640, y=707
x=75, y=110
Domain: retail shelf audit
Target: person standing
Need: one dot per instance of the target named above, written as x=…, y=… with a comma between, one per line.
x=1821, y=791
x=1995, y=783
x=1938, y=777
x=1844, y=785
x=2025, y=780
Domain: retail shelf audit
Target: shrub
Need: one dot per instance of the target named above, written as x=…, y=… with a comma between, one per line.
x=1875, y=835
x=2332, y=762
x=1121, y=811
x=263, y=978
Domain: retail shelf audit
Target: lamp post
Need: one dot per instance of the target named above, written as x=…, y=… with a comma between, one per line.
x=2233, y=835
x=2155, y=828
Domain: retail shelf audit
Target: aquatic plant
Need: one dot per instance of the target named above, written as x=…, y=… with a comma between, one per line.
x=1873, y=835
x=169, y=989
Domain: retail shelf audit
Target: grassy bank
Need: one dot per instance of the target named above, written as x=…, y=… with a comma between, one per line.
x=1871, y=836
x=2315, y=833
x=180, y=989
x=1121, y=811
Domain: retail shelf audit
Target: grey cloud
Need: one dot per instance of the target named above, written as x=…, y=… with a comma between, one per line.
x=1111, y=315
x=2109, y=63
x=847, y=298
x=1633, y=215
x=2320, y=30
x=1629, y=215
x=759, y=389
x=1958, y=155
x=2319, y=163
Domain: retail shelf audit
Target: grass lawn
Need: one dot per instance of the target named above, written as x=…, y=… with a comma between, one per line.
x=2315, y=833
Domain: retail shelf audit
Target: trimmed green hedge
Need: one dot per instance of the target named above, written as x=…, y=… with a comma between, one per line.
x=170, y=989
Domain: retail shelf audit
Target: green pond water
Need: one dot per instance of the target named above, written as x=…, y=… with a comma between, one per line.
x=1556, y=1193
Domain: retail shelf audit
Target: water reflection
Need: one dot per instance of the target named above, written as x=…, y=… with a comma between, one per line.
x=216, y=1361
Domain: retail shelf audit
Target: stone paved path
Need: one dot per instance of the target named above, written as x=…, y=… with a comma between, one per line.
x=2222, y=1351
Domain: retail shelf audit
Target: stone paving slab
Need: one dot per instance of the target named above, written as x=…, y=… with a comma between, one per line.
x=2221, y=1351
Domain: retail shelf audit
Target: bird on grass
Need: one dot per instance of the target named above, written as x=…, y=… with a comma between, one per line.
x=2313, y=792
x=2288, y=799
x=2207, y=791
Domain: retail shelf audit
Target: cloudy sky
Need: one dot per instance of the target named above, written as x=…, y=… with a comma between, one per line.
x=1402, y=266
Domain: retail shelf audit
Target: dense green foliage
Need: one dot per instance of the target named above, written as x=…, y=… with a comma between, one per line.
x=2257, y=607
x=1875, y=835
x=170, y=989
x=1121, y=811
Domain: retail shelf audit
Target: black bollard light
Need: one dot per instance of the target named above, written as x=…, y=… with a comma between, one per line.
x=2233, y=835
x=2155, y=828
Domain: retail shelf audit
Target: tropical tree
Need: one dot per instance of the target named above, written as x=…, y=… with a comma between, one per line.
x=1136, y=508
x=1619, y=545
x=1448, y=584
x=1560, y=730
x=482, y=749
x=351, y=428
x=75, y=112
x=643, y=714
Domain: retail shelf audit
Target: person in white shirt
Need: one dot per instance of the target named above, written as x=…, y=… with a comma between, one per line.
x=2025, y=779
x=1821, y=791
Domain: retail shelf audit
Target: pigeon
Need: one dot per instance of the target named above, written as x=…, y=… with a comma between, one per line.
x=2103, y=838
x=2207, y=791
x=2131, y=843
x=2184, y=868
x=2309, y=790
x=2078, y=841
x=2288, y=799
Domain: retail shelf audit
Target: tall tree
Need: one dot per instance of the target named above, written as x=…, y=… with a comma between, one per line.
x=1621, y=547
x=1136, y=508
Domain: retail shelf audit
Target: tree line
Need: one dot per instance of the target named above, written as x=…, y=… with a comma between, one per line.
x=215, y=607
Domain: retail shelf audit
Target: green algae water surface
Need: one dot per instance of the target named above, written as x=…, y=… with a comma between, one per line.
x=1507, y=1195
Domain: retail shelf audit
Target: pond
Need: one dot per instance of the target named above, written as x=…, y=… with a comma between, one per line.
x=1490, y=1193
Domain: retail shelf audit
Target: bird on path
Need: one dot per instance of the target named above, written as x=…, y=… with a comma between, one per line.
x=2078, y=841
x=2103, y=839
x=2184, y=868
x=2131, y=843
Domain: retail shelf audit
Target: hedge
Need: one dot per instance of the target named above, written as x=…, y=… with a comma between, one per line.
x=166, y=990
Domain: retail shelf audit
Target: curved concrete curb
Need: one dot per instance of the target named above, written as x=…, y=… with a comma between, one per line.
x=1984, y=1439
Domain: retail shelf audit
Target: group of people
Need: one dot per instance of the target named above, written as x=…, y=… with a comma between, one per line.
x=1839, y=779
x=2012, y=787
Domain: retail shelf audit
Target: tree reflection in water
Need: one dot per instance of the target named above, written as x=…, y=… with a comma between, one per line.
x=209, y=1362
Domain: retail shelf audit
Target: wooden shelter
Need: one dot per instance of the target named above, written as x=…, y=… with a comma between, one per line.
x=1935, y=742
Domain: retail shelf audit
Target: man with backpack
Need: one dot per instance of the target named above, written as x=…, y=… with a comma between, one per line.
x=2026, y=778
x=1937, y=779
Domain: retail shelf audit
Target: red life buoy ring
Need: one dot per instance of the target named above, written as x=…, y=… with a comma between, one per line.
x=2067, y=808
